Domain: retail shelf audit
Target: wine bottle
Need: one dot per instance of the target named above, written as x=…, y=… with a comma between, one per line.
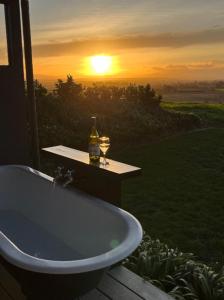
x=94, y=148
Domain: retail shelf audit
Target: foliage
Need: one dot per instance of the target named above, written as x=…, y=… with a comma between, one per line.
x=40, y=90
x=69, y=90
x=176, y=272
x=124, y=113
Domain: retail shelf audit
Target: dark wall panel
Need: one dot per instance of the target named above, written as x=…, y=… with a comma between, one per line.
x=14, y=142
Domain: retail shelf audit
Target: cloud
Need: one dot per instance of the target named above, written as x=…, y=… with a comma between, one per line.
x=205, y=65
x=205, y=70
x=172, y=40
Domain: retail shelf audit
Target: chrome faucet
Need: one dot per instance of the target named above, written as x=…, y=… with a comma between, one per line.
x=62, y=177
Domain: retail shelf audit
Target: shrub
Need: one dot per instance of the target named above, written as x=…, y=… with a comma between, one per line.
x=124, y=113
x=177, y=273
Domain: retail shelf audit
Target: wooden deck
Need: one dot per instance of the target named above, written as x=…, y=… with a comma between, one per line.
x=118, y=284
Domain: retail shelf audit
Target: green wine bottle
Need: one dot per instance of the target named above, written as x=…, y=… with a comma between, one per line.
x=94, y=148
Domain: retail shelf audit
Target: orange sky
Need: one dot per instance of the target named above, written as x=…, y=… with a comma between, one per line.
x=167, y=39
x=191, y=63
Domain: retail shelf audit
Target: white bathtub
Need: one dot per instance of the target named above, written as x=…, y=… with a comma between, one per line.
x=45, y=229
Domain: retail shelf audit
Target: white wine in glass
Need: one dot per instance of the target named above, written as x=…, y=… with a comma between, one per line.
x=104, y=143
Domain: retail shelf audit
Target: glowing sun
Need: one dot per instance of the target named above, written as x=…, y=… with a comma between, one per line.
x=101, y=64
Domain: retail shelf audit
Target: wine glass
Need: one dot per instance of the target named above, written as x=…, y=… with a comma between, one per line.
x=104, y=143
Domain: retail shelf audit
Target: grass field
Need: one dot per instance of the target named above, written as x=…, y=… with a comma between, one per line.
x=180, y=196
x=211, y=114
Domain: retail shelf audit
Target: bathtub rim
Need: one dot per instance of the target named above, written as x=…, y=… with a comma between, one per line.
x=15, y=256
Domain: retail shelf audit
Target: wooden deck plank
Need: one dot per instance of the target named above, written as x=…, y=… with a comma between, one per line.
x=3, y=294
x=134, y=282
x=94, y=295
x=10, y=285
x=118, y=284
x=116, y=291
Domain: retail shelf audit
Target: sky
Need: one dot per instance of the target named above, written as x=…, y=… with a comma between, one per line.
x=160, y=39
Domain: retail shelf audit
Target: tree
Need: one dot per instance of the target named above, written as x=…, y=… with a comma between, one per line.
x=68, y=90
x=148, y=97
x=40, y=90
x=143, y=95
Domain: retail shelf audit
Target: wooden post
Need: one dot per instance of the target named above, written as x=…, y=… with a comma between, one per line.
x=30, y=84
x=14, y=146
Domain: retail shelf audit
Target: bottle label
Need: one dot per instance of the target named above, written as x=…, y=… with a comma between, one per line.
x=94, y=150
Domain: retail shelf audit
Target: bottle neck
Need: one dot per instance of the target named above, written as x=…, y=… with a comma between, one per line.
x=94, y=122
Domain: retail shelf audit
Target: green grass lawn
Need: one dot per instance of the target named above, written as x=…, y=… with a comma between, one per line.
x=212, y=115
x=180, y=196
x=220, y=90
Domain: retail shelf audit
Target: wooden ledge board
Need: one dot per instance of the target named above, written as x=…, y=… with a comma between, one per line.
x=116, y=168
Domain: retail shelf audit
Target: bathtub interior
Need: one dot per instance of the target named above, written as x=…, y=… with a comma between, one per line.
x=50, y=222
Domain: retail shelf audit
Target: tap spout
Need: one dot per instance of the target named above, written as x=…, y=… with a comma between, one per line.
x=62, y=177
x=69, y=178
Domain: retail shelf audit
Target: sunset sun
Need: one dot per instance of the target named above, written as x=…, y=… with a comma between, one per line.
x=101, y=64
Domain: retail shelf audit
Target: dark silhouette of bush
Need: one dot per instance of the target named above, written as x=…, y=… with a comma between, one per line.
x=40, y=90
x=68, y=90
x=177, y=273
x=143, y=95
x=126, y=114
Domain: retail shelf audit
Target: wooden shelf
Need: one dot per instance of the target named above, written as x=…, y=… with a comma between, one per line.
x=95, y=179
x=117, y=168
